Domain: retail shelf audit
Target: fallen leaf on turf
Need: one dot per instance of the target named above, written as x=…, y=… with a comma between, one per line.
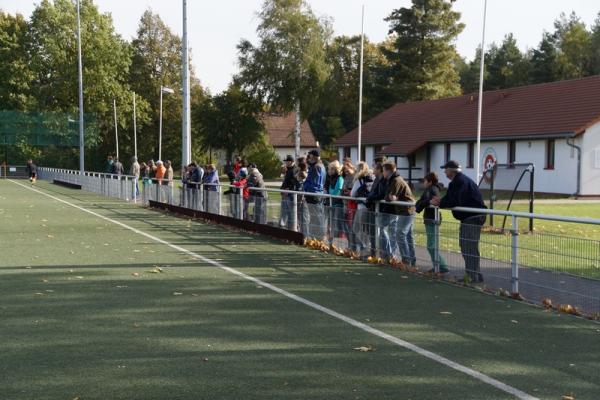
x=135, y=274
x=445, y=313
x=177, y=293
x=79, y=277
x=568, y=397
x=205, y=359
x=45, y=280
x=404, y=277
x=514, y=321
x=50, y=237
x=365, y=349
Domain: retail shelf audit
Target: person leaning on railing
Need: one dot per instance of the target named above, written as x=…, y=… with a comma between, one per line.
x=288, y=183
x=336, y=184
x=361, y=226
x=404, y=216
x=255, y=180
x=432, y=189
x=350, y=206
x=211, y=182
x=464, y=192
x=313, y=211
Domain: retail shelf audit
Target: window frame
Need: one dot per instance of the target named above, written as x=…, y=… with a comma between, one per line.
x=550, y=154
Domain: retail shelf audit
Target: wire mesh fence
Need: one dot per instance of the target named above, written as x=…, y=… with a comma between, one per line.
x=545, y=268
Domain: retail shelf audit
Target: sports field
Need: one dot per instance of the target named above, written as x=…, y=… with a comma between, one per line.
x=100, y=299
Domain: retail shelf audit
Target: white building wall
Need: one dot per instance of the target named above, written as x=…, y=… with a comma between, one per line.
x=354, y=154
x=369, y=155
x=562, y=179
x=590, y=161
x=341, y=153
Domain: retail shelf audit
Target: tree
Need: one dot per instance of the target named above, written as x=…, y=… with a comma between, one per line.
x=507, y=66
x=15, y=85
x=288, y=68
x=565, y=54
x=423, y=56
x=337, y=112
x=573, y=41
x=469, y=72
x=544, y=66
x=53, y=59
x=156, y=63
x=595, y=48
x=229, y=121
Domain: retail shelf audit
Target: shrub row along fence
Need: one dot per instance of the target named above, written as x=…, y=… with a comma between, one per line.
x=547, y=268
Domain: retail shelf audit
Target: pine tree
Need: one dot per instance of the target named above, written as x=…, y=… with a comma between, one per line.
x=423, y=57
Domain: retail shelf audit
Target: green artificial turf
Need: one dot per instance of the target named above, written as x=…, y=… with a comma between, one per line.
x=82, y=315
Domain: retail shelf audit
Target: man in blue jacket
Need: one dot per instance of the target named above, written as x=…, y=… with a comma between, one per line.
x=464, y=192
x=313, y=210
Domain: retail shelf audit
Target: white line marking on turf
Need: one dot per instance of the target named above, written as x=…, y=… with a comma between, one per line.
x=369, y=329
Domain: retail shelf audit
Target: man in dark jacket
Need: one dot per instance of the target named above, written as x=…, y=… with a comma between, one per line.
x=117, y=167
x=313, y=210
x=464, y=192
x=288, y=183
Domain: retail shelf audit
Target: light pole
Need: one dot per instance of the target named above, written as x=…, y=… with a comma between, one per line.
x=186, y=141
x=480, y=105
x=134, y=129
x=162, y=90
x=116, y=128
x=360, y=94
x=80, y=69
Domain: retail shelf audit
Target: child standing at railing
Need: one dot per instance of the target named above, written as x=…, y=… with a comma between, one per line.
x=432, y=189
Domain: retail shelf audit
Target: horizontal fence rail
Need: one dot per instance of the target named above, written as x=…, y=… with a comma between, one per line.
x=549, y=266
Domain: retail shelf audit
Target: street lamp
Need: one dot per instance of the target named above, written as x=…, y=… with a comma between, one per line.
x=163, y=89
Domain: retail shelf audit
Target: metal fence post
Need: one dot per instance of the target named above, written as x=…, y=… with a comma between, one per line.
x=330, y=229
x=436, y=240
x=377, y=233
x=295, y=212
x=241, y=203
x=219, y=199
x=514, y=260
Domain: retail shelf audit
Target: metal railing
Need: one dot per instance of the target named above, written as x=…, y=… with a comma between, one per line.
x=545, y=266
x=124, y=187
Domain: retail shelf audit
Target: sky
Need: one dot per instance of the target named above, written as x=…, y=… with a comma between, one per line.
x=216, y=27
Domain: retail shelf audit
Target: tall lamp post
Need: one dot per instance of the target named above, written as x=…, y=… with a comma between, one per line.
x=186, y=140
x=163, y=89
x=480, y=105
x=360, y=93
x=80, y=70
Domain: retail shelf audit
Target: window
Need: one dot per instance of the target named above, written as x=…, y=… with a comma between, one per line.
x=447, y=152
x=550, y=144
x=378, y=149
x=412, y=161
x=347, y=152
x=471, y=155
x=512, y=152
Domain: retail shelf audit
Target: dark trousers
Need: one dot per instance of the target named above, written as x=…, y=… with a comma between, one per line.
x=470, y=233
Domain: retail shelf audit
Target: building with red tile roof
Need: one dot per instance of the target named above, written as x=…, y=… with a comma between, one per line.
x=555, y=126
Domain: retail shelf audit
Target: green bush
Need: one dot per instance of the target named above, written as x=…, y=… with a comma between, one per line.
x=266, y=159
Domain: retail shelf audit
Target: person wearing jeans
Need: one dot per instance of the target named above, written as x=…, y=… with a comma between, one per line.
x=432, y=189
x=313, y=211
x=464, y=192
x=401, y=227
